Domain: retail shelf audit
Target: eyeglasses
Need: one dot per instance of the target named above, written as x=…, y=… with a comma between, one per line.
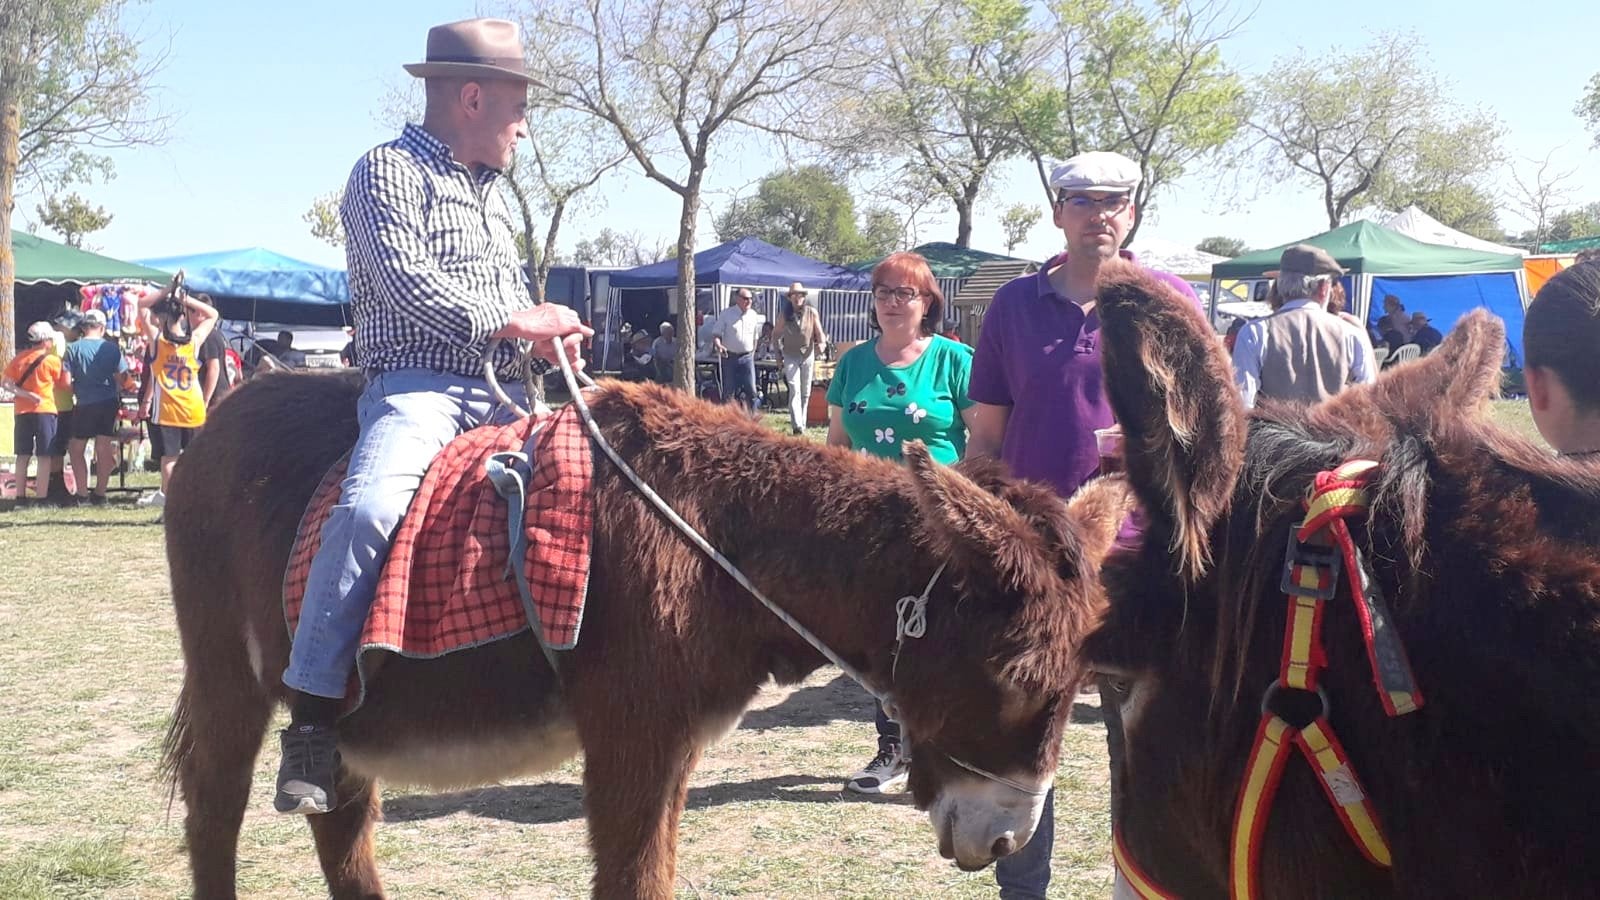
x=883, y=293
x=746, y=297
x=1084, y=203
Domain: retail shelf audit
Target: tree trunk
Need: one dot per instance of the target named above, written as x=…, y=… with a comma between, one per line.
x=687, y=332
x=10, y=136
x=964, y=218
x=541, y=272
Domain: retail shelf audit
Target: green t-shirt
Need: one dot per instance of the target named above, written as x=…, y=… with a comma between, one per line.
x=885, y=406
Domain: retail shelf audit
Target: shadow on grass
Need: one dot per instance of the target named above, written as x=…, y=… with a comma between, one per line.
x=840, y=700
x=1085, y=714
x=547, y=804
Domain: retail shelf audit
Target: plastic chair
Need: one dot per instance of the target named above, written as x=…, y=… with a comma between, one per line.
x=1403, y=353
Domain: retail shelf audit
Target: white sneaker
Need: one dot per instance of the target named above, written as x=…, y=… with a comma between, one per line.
x=886, y=772
x=154, y=498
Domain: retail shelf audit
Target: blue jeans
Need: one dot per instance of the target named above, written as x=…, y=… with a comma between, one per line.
x=739, y=377
x=1025, y=875
x=406, y=418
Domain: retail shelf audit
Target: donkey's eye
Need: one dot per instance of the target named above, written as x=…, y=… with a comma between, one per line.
x=1119, y=685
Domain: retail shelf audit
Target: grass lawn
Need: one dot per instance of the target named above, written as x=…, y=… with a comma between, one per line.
x=91, y=666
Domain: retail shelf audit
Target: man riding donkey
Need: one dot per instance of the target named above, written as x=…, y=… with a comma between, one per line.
x=434, y=277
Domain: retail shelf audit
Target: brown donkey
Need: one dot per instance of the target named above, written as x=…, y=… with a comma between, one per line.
x=1486, y=551
x=672, y=650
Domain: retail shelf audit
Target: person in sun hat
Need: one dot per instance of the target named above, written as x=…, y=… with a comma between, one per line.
x=800, y=340
x=1301, y=352
x=1423, y=334
x=434, y=277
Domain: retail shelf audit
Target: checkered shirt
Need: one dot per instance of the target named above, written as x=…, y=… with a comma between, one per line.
x=433, y=263
x=445, y=586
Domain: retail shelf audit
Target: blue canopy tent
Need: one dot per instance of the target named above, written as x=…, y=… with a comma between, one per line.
x=642, y=297
x=262, y=286
x=747, y=262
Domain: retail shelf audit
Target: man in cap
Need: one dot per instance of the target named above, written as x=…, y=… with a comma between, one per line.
x=33, y=376
x=94, y=364
x=434, y=276
x=1301, y=352
x=1038, y=387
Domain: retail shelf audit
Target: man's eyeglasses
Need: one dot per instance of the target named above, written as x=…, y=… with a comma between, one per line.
x=885, y=293
x=1083, y=203
x=746, y=297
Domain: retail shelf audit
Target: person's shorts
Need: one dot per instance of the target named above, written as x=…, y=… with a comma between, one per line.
x=171, y=440
x=34, y=433
x=94, y=420
x=58, y=443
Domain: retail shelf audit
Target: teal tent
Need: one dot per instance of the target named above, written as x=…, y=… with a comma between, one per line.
x=1444, y=282
x=1572, y=246
x=946, y=260
x=40, y=261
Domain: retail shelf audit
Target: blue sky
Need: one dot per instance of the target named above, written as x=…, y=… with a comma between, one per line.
x=275, y=102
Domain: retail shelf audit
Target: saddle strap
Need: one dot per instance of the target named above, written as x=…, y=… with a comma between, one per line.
x=510, y=472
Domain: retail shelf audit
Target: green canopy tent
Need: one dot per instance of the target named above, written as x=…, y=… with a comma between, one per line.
x=49, y=274
x=47, y=262
x=1443, y=281
x=1572, y=246
x=947, y=260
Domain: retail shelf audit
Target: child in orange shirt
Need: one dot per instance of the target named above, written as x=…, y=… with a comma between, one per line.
x=33, y=376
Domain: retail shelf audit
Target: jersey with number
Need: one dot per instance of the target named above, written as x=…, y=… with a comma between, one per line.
x=179, y=401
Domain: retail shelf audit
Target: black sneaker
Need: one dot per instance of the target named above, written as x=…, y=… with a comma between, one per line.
x=308, y=770
x=97, y=499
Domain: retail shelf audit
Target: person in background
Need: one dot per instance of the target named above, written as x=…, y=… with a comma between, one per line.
x=800, y=340
x=1337, y=302
x=735, y=338
x=1040, y=393
x=1423, y=334
x=664, y=352
x=1395, y=326
x=215, y=382
x=1560, y=332
x=175, y=403
x=637, y=362
x=905, y=384
x=94, y=364
x=32, y=376
x=294, y=359
x=1301, y=352
x=67, y=332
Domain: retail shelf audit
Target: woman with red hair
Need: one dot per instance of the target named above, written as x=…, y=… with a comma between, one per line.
x=908, y=383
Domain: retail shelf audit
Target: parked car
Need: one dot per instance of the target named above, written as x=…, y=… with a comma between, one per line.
x=309, y=347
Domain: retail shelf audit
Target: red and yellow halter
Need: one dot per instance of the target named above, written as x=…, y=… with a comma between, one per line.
x=1319, y=549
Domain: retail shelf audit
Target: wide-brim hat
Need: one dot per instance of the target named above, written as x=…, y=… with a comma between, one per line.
x=798, y=288
x=474, y=48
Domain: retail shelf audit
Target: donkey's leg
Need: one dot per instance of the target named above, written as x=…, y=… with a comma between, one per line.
x=226, y=720
x=344, y=840
x=633, y=790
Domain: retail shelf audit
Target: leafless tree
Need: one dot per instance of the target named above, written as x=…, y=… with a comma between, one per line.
x=1540, y=194
x=674, y=80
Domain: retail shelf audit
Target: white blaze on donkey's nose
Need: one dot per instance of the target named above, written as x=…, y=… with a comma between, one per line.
x=979, y=821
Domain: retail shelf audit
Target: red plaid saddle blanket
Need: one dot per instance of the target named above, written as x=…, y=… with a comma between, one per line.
x=446, y=585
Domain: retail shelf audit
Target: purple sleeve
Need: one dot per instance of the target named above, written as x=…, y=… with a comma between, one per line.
x=987, y=383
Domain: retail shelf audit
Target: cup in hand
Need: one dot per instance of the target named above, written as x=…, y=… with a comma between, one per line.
x=1108, y=443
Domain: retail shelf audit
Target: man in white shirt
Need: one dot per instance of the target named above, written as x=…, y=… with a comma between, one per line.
x=734, y=338
x=1302, y=352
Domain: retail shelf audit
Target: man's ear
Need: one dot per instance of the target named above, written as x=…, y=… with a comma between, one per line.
x=1537, y=379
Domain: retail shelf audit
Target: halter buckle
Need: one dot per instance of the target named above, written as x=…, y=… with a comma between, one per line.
x=1321, y=558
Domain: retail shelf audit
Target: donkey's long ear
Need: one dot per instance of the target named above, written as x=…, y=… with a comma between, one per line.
x=1171, y=386
x=1454, y=382
x=978, y=529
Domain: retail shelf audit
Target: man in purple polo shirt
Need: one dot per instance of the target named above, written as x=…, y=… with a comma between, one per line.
x=1039, y=389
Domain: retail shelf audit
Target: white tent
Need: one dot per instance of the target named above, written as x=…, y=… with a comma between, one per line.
x=1178, y=259
x=1418, y=225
